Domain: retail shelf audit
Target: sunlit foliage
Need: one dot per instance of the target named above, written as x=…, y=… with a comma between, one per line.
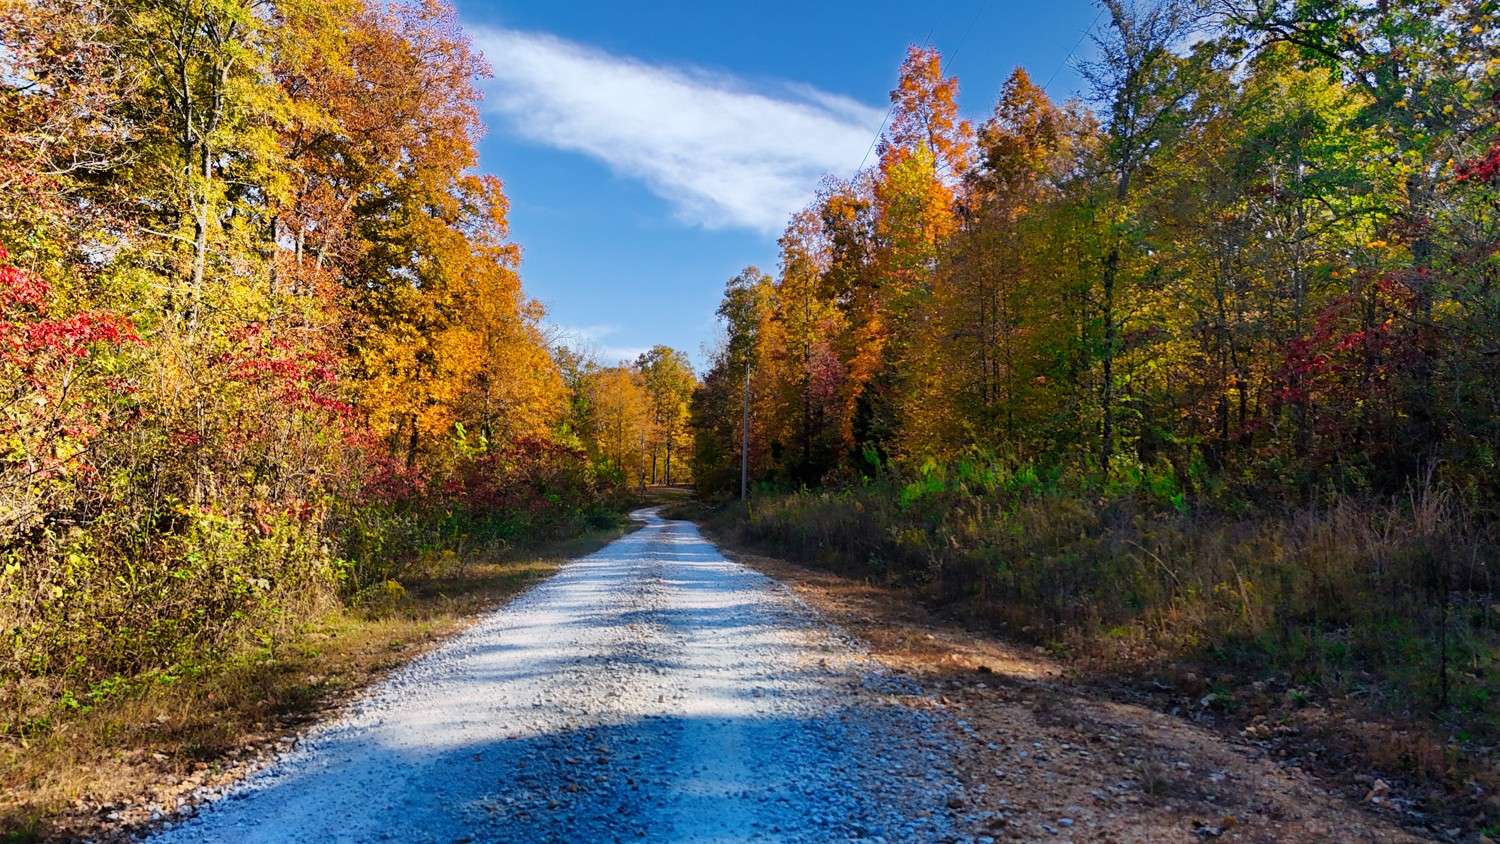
x=263, y=341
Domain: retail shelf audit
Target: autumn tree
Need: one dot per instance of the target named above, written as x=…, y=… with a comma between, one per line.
x=735, y=370
x=1257, y=271
x=999, y=303
x=1142, y=86
x=922, y=155
x=263, y=336
x=1213, y=270
x=1426, y=75
x=668, y=378
x=622, y=414
x=62, y=82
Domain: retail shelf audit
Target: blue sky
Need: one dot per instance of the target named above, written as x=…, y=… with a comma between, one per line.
x=652, y=150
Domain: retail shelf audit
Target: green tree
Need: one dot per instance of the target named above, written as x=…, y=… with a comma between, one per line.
x=1143, y=86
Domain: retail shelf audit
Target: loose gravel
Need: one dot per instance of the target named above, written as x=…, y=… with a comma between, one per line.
x=651, y=691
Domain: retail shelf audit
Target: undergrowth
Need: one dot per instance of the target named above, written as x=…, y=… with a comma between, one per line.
x=1392, y=600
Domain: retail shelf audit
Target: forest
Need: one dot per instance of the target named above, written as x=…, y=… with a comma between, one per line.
x=264, y=349
x=1203, y=367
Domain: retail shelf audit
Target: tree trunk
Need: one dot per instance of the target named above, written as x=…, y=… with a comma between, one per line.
x=411, y=443
x=1424, y=432
x=1107, y=387
x=200, y=240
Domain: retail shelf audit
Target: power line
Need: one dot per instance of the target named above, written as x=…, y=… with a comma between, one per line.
x=967, y=33
x=890, y=109
x=1079, y=43
x=875, y=140
x=978, y=13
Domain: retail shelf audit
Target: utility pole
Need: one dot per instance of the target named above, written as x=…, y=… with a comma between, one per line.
x=745, y=439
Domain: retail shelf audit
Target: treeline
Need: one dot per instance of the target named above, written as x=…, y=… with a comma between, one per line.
x=1120, y=365
x=263, y=344
x=633, y=416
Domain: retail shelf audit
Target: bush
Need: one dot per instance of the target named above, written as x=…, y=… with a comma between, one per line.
x=160, y=508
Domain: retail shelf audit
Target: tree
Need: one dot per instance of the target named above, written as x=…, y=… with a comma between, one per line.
x=263, y=337
x=1143, y=87
x=205, y=110
x=668, y=378
x=623, y=412
x=923, y=153
x=715, y=409
x=1265, y=256
x=1426, y=74
x=62, y=82
x=810, y=322
x=999, y=313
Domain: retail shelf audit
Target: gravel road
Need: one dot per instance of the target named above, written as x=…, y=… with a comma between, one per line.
x=651, y=691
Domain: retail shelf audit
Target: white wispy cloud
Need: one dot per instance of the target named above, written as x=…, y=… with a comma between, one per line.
x=722, y=152
x=584, y=333
x=591, y=340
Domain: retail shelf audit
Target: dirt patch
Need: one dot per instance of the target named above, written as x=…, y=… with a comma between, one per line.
x=1051, y=758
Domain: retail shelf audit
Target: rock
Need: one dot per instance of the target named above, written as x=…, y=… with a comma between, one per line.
x=1203, y=830
x=1258, y=731
x=1379, y=791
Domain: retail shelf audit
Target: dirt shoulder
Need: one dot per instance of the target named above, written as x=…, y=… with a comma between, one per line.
x=1049, y=758
x=116, y=769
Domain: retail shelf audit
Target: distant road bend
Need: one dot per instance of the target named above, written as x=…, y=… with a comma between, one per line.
x=651, y=691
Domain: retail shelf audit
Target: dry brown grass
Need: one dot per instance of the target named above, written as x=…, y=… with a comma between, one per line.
x=102, y=771
x=1391, y=600
x=1043, y=743
x=1369, y=626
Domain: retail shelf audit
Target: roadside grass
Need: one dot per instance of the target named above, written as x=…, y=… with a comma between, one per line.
x=101, y=770
x=1382, y=615
x=669, y=496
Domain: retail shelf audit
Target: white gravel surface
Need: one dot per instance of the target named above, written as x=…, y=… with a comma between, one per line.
x=651, y=691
